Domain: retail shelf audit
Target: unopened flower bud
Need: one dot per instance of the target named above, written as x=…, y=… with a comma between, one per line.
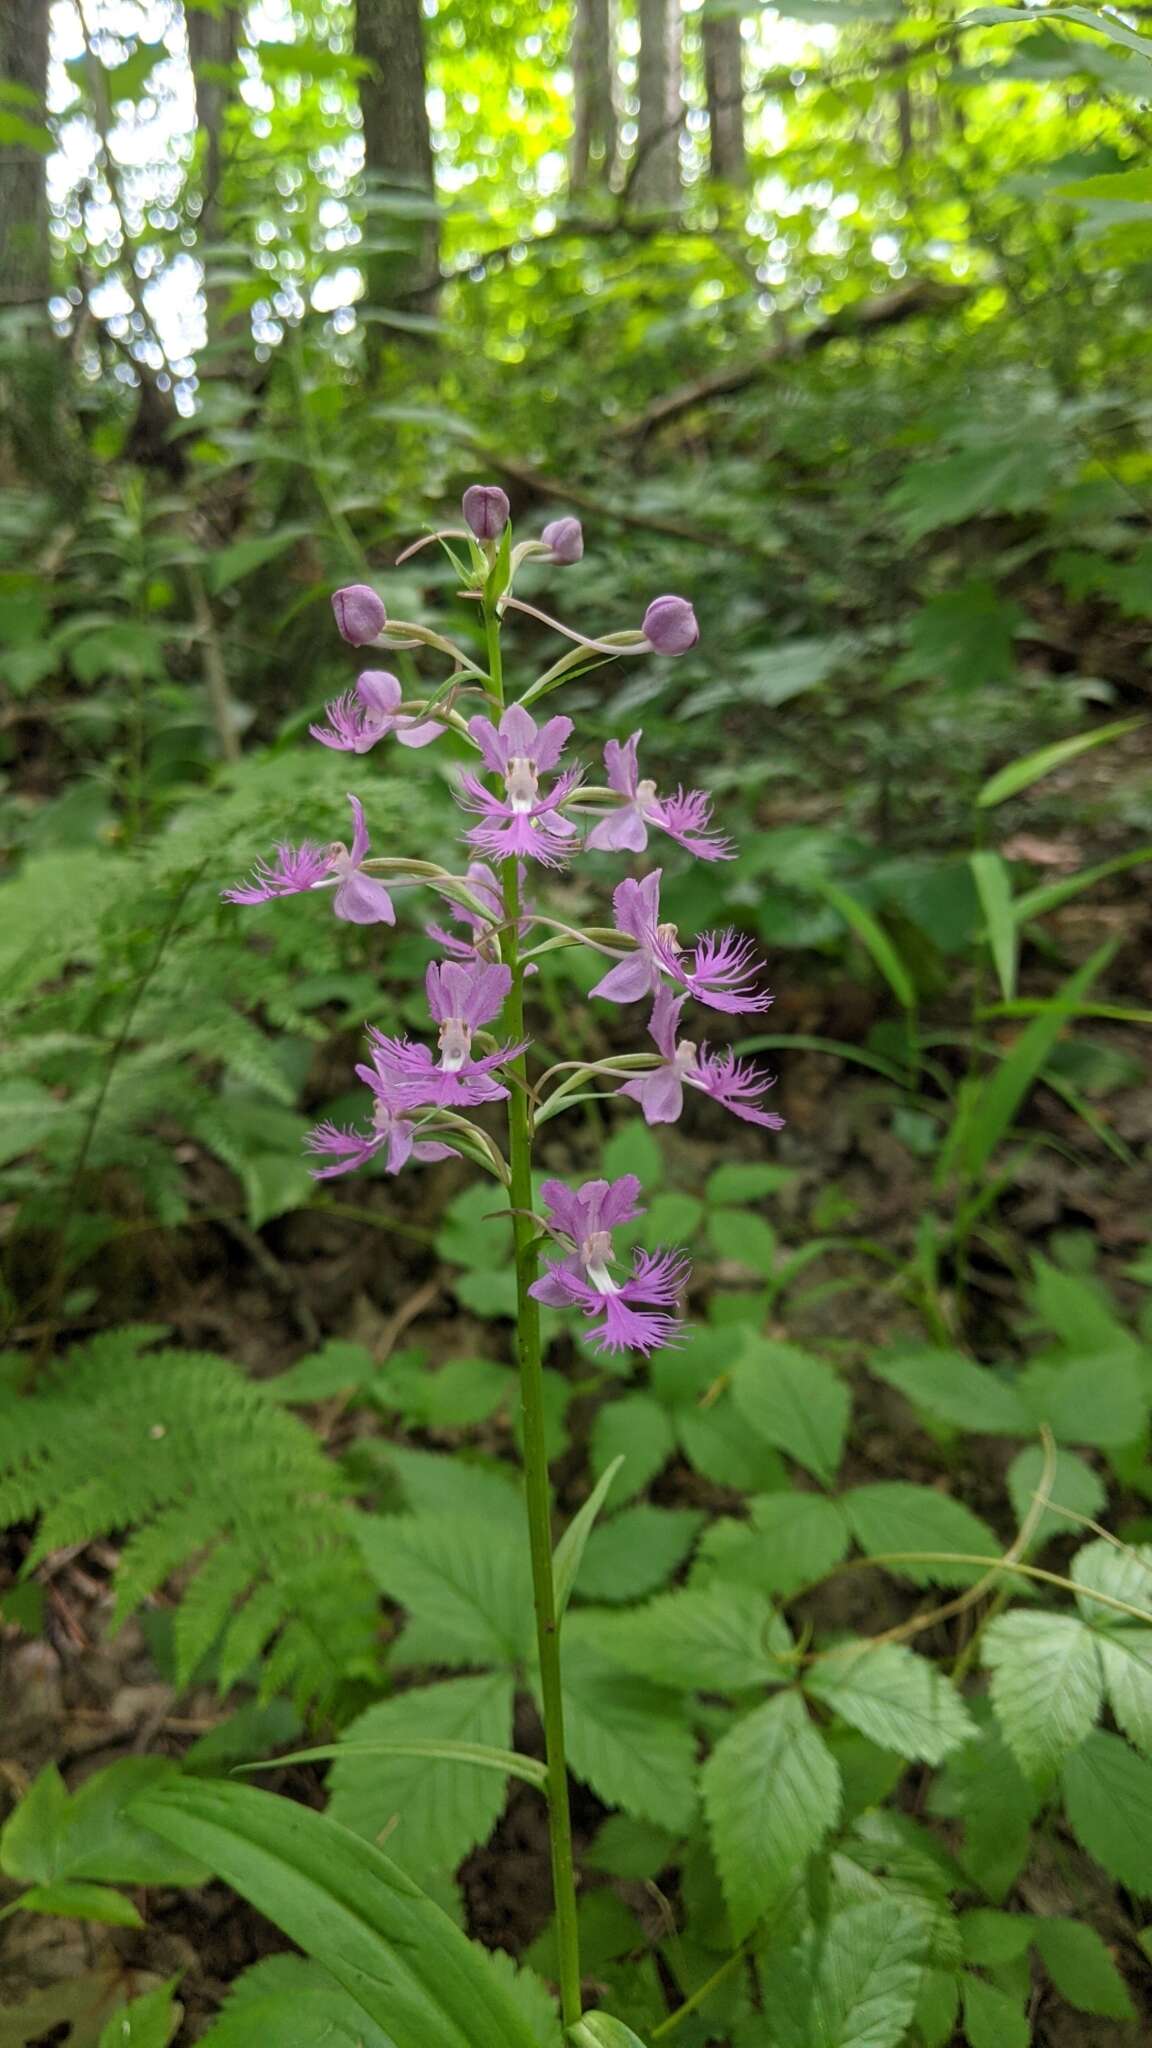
x=670, y=625
x=486, y=510
x=565, y=537
x=360, y=615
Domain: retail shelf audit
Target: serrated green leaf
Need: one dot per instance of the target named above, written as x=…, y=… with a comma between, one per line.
x=791, y=1540
x=1122, y=1571
x=895, y=1698
x=465, y=1583
x=1047, y=1684
x=1108, y=1799
x=295, y=2004
x=725, y=1639
x=894, y=1515
x=636, y=1551
x=1126, y=1655
x=1087, y=1400
x=430, y=1814
x=771, y=1794
x=627, y=1737
x=951, y=1389
x=852, y=1983
x=637, y=1430
x=795, y=1401
x=991, y=2018
x=1082, y=1969
x=1073, y=1485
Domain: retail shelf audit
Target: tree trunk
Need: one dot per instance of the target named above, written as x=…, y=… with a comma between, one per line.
x=212, y=40
x=398, y=158
x=593, y=65
x=24, y=259
x=655, y=178
x=724, y=85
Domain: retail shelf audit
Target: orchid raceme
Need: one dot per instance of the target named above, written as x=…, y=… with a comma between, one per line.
x=525, y=793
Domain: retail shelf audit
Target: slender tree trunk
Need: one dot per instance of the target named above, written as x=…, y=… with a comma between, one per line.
x=24, y=259
x=656, y=175
x=724, y=85
x=212, y=40
x=594, y=134
x=398, y=156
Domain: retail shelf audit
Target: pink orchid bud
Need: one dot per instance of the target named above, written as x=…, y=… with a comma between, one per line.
x=486, y=510
x=670, y=625
x=565, y=537
x=359, y=614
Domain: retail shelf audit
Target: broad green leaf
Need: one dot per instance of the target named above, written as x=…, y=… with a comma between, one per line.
x=875, y=939
x=570, y=1550
x=726, y=1639
x=791, y=1540
x=1108, y=25
x=597, y=2030
x=991, y=1939
x=717, y=1441
x=895, y=1698
x=227, y=566
x=1047, y=1684
x=627, y=1737
x=1123, y=1571
x=465, y=1583
x=30, y=1835
x=1087, y=1400
x=795, y=1401
x=1126, y=1656
x=430, y=1813
x=951, y=1389
x=738, y=1182
x=73, y=1900
x=148, y=2022
x=1073, y=1485
x=635, y=1435
x=994, y=887
x=636, y=1552
x=1108, y=1800
x=983, y=1786
x=1082, y=1969
x=991, y=2018
x=292, y=2003
x=341, y=1901
x=740, y=1235
x=771, y=1794
x=92, y=1833
x=852, y=1983
x=631, y=1848
x=894, y=1515
x=1022, y=774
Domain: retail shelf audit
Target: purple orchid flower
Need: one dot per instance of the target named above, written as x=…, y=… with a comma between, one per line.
x=358, y=900
x=462, y=995
x=565, y=539
x=362, y=716
x=634, y=1311
x=686, y=816
x=718, y=972
x=392, y=1133
x=732, y=1082
x=522, y=822
x=486, y=510
x=360, y=615
x=670, y=625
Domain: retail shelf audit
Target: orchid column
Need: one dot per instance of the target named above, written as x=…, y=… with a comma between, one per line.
x=527, y=808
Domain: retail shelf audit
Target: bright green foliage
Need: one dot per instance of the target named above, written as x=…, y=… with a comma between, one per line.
x=897, y=1699
x=795, y=1401
x=1047, y=1685
x=771, y=1794
x=204, y=1467
x=852, y=1984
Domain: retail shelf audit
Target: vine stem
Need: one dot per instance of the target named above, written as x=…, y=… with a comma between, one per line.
x=536, y=1484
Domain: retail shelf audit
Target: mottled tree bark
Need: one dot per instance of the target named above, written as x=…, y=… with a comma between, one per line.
x=398, y=156
x=212, y=40
x=24, y=257
x=724, y=85
x=593, y=66
x=655, y=179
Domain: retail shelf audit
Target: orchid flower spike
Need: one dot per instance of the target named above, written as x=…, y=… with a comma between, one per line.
x=686, y=816
x=734, y=1083
x=481, y=946
x=392, y=1133
x=364, y=715
x=522, y=822
x=670, y=625
x=462, y=996
x=486, y=510
x=633, y=1311
x=359, y=898
x=718, y=973
x=360, y=615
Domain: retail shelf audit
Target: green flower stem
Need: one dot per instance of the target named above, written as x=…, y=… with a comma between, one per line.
x=536, y=1485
